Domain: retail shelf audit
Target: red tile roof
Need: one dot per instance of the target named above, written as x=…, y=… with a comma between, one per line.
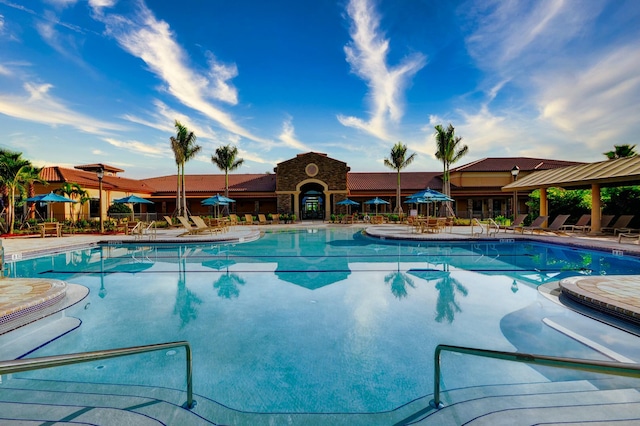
x=504, y=164
x=387, y=181
x=215, y=183
x=90, y=180
x=95, y=166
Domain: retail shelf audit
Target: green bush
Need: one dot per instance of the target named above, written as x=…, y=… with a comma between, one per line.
x=118, y=208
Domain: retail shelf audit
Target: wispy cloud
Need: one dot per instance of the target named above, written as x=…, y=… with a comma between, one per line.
x=367, y=54
x=138, y=147
x=288, y=136
x=38, y=105
x=152, y=41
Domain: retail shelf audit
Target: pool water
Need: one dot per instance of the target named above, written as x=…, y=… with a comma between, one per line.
x=322, y=320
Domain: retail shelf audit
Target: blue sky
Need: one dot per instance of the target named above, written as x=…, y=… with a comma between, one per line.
x=104, y=80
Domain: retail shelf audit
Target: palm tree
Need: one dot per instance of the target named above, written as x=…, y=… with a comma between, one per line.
x=16, y=175
x=621, y=151
x=225, y=159
x=184, y=148
x=449, y=150
x=73, y=190
x=399, y=161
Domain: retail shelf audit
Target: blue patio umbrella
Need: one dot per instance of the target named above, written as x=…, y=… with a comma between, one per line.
x=216, y=200
x=132, y=199
x=50, y=198
x=377, y=201
x=347, y=202
x=431, y=195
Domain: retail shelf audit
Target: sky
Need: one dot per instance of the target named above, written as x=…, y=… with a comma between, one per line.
x=103, y=81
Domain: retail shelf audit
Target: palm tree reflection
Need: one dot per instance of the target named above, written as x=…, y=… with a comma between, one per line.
x=186, y=300
x=227, y=285
x=399, y=281
x=446, y=306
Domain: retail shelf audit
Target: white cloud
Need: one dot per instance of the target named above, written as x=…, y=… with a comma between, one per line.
x=141, y=147
x=97, y=4
x=367, y=55
x=598, y=104
x=152, y=41
x=39, y=106
x=288, y=136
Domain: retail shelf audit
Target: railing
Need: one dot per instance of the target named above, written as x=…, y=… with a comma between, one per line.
x=20, y=365
x=606, y=367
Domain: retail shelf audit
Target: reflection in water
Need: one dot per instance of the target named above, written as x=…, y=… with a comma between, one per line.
x=227, y=285
x=186, y=300
x=399, y=281
x=446, y=306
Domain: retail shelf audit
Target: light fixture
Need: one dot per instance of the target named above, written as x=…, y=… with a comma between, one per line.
x=514, y=287
x=100, y=174
x=514, y=172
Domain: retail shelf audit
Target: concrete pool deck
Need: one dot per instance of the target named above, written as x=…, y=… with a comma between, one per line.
x=619, y=297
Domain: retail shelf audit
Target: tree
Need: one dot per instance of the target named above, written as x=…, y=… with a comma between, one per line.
x=398, y=160
x=184, y=149
x=621, y=151
x=225, y=159
x=448, y=150
x=16, y=174
x=73, y=191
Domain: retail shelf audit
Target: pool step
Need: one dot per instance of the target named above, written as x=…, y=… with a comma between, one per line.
x=26, y=400
x=67, y=402
x=548, y=404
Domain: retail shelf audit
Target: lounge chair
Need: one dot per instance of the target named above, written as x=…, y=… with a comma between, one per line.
x=536, y=224
x=554, y=227
x=633, y=235
x=200, y=224
x=517, y=224
x=262, y=220
x=190, y=229
x=581, y=225
x=248, y=219
x=621, y=225
x=233, y=219
x=170, y=222
x=606, y=220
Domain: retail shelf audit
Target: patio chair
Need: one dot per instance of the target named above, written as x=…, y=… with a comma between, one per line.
x=200, y=224
x=190, y=229
x=554, y=227
x=233, y=219
x=537, y=223
x=262, y=220
x=248, y=219
x=170, y=222
x=517, y=223
x=581, y=225
x=620, y=225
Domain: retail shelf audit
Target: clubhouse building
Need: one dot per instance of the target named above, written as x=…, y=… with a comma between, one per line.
x=309, y=185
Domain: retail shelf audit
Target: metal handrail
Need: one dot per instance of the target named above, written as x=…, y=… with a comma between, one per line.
x=29, y=364
x=606, y=367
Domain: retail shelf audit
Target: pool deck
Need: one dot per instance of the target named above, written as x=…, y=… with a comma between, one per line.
x=616, y=295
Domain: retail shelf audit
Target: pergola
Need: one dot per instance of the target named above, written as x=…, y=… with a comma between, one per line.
x=620, y=172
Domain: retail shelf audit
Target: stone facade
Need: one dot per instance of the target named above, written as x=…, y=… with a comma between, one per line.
x=332, y=172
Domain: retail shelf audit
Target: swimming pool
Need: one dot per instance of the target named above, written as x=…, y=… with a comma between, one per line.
x=325, y=320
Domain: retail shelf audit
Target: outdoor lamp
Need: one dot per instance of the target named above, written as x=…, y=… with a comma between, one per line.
x=514, y=173
x=100, y=174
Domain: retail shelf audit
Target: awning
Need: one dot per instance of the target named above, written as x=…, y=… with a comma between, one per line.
x=623, y=171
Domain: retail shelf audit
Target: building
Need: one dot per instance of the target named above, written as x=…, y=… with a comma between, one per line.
x=309, y=185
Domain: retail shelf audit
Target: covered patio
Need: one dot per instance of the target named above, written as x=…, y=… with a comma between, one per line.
x=620, y=172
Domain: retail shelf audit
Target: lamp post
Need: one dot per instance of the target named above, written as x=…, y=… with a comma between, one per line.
x=100, y=174
x=514, y=173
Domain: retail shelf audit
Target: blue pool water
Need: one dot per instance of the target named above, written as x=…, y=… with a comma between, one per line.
x=324, y=320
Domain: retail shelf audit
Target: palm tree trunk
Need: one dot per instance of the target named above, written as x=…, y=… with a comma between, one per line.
x=178, y=184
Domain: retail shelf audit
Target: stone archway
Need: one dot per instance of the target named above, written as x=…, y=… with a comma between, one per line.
x=312, y=200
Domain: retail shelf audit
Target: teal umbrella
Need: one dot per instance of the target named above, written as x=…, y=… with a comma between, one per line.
x=377, y=201
x=132, y=199
x=347, y=202
x=50, y=198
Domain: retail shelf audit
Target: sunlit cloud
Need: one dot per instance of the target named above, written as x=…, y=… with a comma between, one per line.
x=598, y=104
x=39, y=106
x=367, y=54
x=152, y=41
x=288, y=136
x=141, y=147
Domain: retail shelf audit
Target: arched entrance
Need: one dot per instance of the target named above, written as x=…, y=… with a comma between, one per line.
x=312, y=201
